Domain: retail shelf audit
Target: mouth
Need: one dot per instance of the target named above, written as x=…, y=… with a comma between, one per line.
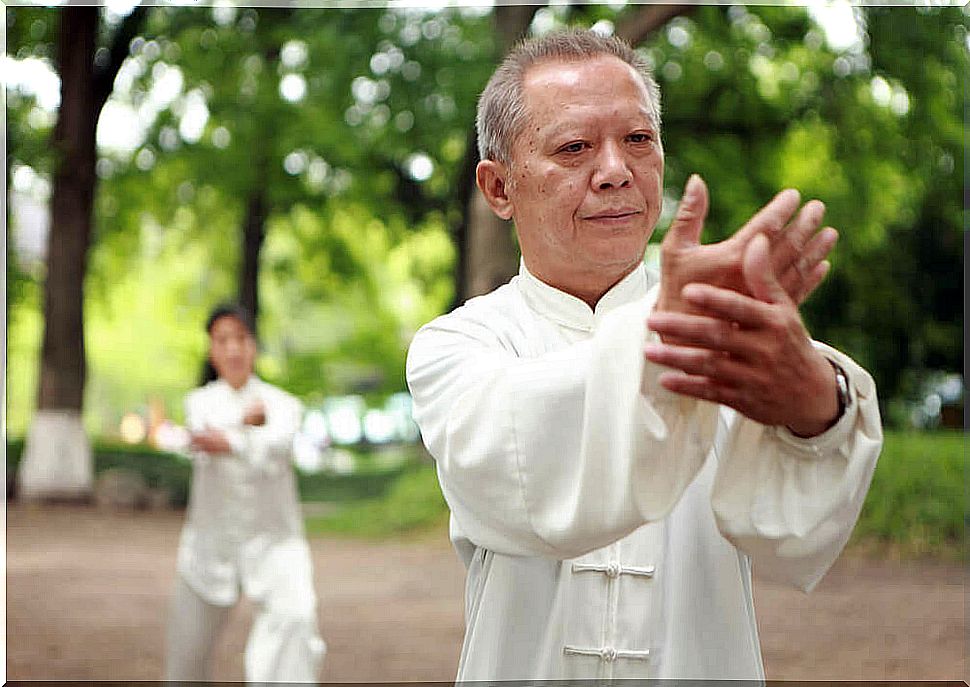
x=614, y=214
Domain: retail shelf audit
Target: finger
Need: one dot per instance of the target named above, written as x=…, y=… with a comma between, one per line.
x=820, y=245
x=699, y=387
x=725, y=304
x=789, y=244
x=772, y=217
x=685, y=230
x=697, y=330
x=816, y=277
x=759, y=275
x=802, y=275
x=701, y=362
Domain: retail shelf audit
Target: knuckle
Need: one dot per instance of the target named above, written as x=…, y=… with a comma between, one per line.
x=794, y=241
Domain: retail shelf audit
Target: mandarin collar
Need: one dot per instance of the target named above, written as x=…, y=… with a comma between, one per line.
x=570, y=311
x=248, y=386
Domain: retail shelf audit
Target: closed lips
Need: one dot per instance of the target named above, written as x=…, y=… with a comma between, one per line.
x=613, y=214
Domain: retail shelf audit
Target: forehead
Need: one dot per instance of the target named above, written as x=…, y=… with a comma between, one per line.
x=229, y=325
x=555, y=90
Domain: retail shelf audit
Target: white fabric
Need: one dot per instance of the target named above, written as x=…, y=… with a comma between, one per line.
x=280, y=648
x=244, y=530
x=193, y=630
x=609, y=526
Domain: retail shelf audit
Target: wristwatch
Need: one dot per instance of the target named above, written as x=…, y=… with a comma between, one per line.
x=842, y=388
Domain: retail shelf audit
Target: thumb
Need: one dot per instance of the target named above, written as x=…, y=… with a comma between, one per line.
x=759, y=274
x=685, y=230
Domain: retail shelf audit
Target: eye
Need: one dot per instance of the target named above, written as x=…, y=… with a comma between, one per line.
x=573, y=147
x=640, y=137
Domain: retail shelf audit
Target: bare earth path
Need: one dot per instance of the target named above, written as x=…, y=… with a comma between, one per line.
x=87, y=595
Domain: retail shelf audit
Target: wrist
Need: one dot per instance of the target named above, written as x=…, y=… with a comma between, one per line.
x=833, y=399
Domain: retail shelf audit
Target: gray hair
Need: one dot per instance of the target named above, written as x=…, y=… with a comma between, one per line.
x=502, y=114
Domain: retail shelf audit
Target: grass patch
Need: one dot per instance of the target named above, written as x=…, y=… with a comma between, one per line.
x=414, y=502
x=916, y=506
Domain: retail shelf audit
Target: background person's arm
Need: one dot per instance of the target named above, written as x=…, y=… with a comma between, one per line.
x=268, y=445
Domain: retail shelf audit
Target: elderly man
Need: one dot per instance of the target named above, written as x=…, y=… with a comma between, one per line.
x=618, y=453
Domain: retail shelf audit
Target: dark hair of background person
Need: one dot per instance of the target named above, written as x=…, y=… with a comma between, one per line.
x=209, y=373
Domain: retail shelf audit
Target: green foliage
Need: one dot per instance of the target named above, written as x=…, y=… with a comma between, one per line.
x=754, y=100
x=360, y=250
x=414, y=502
x=917, y=502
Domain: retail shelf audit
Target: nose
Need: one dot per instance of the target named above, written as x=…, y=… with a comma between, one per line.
x=611, y=169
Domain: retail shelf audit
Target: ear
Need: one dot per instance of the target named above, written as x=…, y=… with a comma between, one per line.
x=492, y=179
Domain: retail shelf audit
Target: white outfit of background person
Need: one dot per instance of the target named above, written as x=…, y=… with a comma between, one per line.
x=244, y=530
x=609, y=526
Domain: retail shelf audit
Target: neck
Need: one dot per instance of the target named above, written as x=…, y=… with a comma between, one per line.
x=236, y=384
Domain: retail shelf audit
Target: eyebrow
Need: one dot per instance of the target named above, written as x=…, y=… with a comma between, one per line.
x=576, y=128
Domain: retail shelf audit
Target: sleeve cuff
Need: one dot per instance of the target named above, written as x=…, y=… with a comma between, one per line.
x=237, y=440
x=838, y=433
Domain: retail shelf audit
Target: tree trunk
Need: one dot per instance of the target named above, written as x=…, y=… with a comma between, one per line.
x=57, y=457
x=648, y=19
x=57, y=454
x=488, y=255
x=258, y=204
x=254, y=233
x=62, y=372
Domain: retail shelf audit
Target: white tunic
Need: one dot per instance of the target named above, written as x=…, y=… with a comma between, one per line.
x=609, y=526
x=243, y=525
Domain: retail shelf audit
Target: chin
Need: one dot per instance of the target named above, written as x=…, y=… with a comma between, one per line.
x=618, y=259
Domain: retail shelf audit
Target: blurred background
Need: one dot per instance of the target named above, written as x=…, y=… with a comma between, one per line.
x=317, y=166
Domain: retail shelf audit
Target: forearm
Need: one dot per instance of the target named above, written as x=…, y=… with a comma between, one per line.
x=791, y=503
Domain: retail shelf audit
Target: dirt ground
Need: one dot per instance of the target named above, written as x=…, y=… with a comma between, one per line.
x=87, y=595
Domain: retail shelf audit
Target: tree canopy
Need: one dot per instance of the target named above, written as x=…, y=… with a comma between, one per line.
x=353, y=127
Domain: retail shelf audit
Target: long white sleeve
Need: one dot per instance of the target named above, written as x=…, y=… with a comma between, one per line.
x=791, y=503
x=557, y=454
x=267, y=447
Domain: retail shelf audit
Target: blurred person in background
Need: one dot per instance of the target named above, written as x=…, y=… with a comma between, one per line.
x=243, y=529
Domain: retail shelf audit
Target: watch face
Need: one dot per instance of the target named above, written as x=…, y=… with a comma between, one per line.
x=843, y=385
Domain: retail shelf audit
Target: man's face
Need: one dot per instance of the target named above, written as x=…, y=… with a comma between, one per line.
x=586, y=176
x=232, y=350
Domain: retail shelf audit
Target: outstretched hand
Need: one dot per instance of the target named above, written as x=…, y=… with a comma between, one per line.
x=797, y=250
x=749, y=352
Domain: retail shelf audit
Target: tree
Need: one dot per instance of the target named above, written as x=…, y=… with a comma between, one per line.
x=57, y=456
x=359, y=184
x=348, y=138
